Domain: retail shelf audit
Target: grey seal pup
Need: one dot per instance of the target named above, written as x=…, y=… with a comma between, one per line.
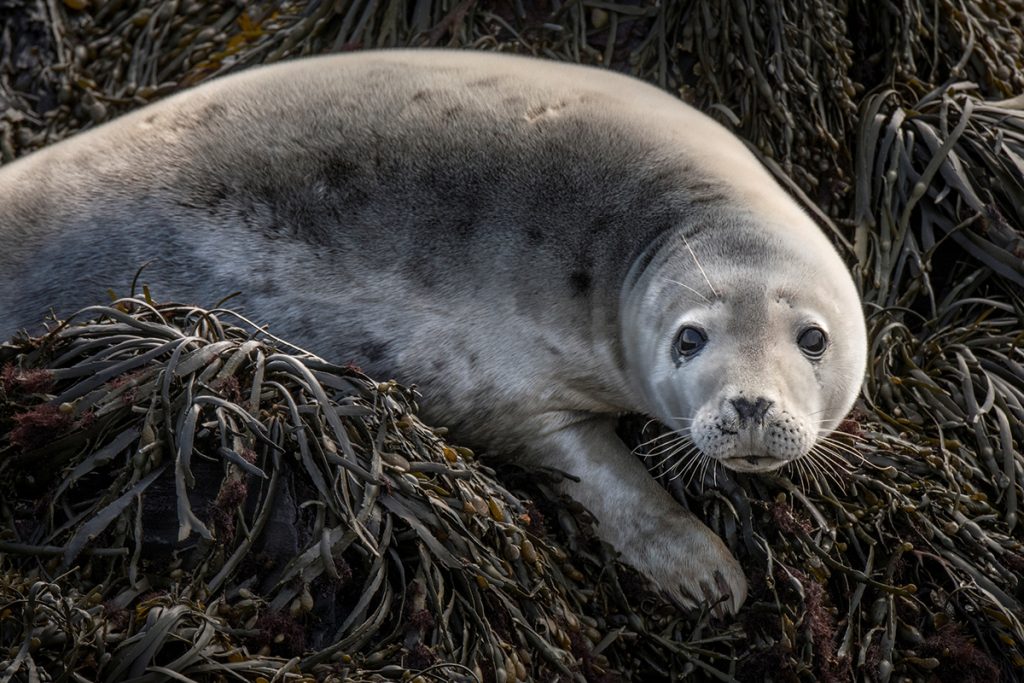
x=540, y=247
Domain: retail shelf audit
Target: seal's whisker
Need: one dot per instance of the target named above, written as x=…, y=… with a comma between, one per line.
x=695, y=260
x=810, y=478
x=668, y=457
x=829, y=475
x=682, y=446
x=840, y=442
x=659, y=468
x=811, y=475
x=648, y=452
x=660, y=437
x=707, y=461
x=688, y=462
x=859, y=438
x=799, y=466
x=842, y=468
x=849, y=461
x=664, y=434
x=820, y=477
x=683, y=463
x=676, y=282
x=829, y=451
x=644, y=449
x=841, y=447
x=847, y=437
x=694, y=469
x=829, y=466
x=836, y=459
x=647, y=424
x=828, y=470
x=856, y=438
x=663, y=447
x=694, y=474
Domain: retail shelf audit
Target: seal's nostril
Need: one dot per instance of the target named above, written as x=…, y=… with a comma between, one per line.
x=751, y=410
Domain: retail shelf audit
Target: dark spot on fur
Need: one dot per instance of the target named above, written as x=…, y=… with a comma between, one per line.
x=534, y=236
x=461, y=226
x=338, y=169
x=539, y=111
x=580, y=281
x=211, y=113
x=453, y=112
x=600, y=224
x=701, y=191
x=421, y=271
x=553, y=350
x=421, y=95
x=473, y=360
x=374, y=351
x=488, y=82
x=708, y=198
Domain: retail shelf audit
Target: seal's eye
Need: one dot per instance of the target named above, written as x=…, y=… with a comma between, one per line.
x=690, y=341
x=813, y=342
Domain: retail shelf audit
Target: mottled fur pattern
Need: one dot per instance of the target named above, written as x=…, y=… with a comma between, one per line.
x=521, y=239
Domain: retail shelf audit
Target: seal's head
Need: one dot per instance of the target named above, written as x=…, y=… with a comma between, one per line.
x=751, y=341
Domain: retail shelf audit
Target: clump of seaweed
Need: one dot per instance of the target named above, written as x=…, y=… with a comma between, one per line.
x=249, y=498
x=938, y=179
x=250, y=505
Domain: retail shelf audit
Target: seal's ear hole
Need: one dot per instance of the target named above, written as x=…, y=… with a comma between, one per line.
x=813, y=341
x=689, y=341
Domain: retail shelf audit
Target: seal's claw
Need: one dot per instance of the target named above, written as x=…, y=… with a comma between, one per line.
x=695, y=568
x=735, y=591
x=724, y=595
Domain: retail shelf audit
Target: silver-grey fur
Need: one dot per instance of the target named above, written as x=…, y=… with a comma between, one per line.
x=519, y=238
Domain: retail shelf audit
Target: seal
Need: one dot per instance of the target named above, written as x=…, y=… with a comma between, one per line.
x=540, y=247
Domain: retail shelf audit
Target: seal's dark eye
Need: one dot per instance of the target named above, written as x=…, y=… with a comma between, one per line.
x=690, y=341
x=813, y=342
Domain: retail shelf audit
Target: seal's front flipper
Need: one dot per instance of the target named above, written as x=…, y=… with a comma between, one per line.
x=640, y=519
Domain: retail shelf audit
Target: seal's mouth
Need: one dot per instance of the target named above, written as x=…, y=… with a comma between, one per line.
x=753, y=463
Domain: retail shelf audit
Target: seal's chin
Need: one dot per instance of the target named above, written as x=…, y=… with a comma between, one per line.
x=753, y=463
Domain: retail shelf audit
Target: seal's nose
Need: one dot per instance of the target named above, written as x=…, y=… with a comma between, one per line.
x=751, y=410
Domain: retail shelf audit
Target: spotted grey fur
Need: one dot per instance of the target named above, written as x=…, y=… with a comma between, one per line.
x=521, y=239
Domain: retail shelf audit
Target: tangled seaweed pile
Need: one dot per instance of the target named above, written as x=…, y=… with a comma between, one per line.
x=181, y=497
x=202, y=491
x=898, y=555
